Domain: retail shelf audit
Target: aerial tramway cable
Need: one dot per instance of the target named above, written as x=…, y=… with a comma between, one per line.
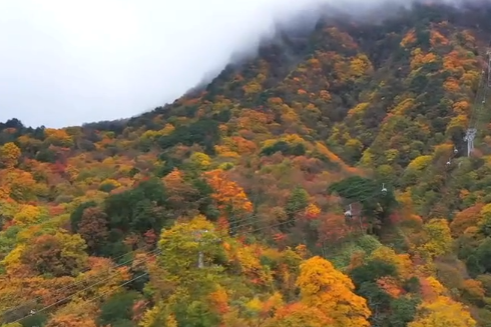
x=476, y=117
x=478, y=107
x=74, y=284
x=153, y=253
x=114, y=274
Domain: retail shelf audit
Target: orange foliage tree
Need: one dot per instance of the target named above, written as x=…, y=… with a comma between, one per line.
x=229, y=197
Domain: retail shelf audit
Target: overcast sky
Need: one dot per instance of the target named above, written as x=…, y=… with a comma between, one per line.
x=66, y=62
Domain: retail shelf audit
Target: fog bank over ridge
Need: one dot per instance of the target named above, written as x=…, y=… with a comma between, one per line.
x=70, y=62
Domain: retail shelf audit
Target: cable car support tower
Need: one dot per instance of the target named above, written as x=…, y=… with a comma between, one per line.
x=478, y=108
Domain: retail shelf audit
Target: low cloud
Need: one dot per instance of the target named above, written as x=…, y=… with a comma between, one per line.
x=69, y=62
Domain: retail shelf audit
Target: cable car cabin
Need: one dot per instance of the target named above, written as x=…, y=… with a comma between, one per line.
x=352, y=210
x=488, y=53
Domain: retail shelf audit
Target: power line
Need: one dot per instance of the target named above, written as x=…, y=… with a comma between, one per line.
x=71, y=296
x=114, y=274
x=123, y=284
x=120, y=285
x=38, y=298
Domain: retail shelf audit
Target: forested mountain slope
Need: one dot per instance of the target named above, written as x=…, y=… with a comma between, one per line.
x=227, y=207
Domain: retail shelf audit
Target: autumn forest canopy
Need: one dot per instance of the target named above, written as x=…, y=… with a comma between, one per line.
x=323, y=183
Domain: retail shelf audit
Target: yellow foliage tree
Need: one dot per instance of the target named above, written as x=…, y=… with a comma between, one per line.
x=359, y=109
x=402, y=107
x=329, y=290
x=484, y=219
x=251, y=266
x=401, y=261
x=360, y=65
x=158, y=316
x=443, y=312
x=27, y=215
x=200, y=160
x=18, y=185
x=299, y=314
x=9, y=155
x=180, y=247
x=420, y=163
x=12, y=262
x=438, y=239
x=458, y=122
x=58, y=137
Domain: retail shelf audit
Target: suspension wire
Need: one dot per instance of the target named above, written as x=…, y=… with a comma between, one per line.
x=114, y=274
x=67, y=287
x=87, y=269
x=122, y=284
x=481, y=100
x=482, y=86
x=109, y=291
x=478, y=109
x=354, y=196
x=80, y=291
x=476, y=116
x=447, y=177
x=477, y=100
